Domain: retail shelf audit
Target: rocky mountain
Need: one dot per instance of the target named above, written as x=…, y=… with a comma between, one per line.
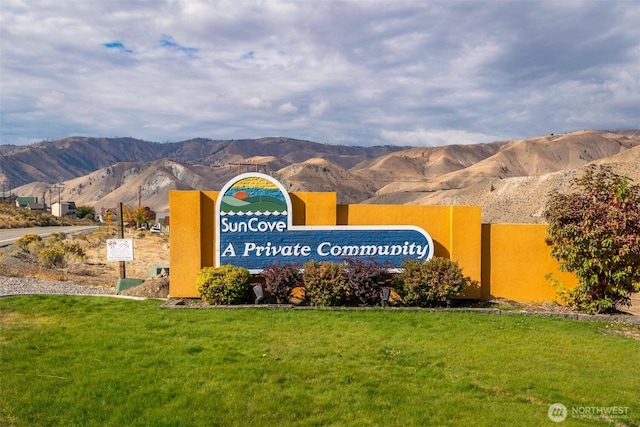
x=509, y=179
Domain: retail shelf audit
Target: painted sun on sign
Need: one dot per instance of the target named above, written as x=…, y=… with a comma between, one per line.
x=253, y=195
x=254, y=230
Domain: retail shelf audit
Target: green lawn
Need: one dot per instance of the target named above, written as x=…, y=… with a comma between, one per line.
x=96, y=361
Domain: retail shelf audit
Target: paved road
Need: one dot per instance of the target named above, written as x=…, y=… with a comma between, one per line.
x=10, y=235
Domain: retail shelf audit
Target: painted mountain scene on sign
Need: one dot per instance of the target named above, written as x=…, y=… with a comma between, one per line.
x=253, y=195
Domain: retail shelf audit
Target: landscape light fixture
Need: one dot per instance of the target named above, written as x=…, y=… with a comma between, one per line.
x=386, y=294
x=258, y=290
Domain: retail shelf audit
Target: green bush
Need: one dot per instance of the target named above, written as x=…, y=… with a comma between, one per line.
x=226, y=284
x=325, y=283
x=52, y=257
x=280, y=279
x=432, y=282
x=86, y=212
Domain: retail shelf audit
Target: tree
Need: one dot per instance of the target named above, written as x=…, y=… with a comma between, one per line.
x=127, y=213
x=86, y=212
x=594, y=231
x=140, y=216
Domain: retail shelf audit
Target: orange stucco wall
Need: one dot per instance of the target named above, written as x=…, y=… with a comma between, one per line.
x=516, y=260
x=191, y=240
x=509, y=260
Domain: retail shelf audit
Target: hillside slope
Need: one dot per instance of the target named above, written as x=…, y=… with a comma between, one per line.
x=68, y=158
x=509, y=179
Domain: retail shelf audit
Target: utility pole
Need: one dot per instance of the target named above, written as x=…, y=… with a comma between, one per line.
x=139, y=196
x=6, y=182
x=123, y=270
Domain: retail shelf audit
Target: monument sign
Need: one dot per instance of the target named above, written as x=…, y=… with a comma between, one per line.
x=254, y=229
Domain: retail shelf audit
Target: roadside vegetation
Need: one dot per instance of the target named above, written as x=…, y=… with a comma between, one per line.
x=12, y=216
x=96, y=361
x=80, y=257
x=57, y=256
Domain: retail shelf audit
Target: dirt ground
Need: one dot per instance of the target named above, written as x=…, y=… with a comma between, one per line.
x=149, y=249
x=153, y=249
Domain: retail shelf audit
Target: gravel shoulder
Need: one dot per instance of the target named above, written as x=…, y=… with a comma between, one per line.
x=31, y=285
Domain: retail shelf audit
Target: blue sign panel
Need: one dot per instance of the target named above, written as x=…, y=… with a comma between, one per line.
x=254, y=230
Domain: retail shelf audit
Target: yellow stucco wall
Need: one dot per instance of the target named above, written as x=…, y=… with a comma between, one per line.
x=314, y=208
x=516, y=260
x=509, y=260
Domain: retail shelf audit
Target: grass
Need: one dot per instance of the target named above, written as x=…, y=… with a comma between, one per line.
x=92, y=361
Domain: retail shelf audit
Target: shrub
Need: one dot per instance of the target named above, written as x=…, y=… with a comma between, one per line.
x=280, y=279
x=35, y=247
x=365, y=281
x=56, y=237
x=594, y=232
x=102, y=234
x=325, y=283
x=431, y=282
x=72, y=248
x=24, y=242
x=51, y=257
x=226, y=284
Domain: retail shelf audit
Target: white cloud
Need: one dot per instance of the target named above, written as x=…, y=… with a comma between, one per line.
x=317, y=109
x=51, y=100
x=407, y=73
x=287, y=108
x=257, y=102
x=436, y=137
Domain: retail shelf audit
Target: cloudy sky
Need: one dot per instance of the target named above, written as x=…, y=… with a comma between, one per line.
x=360, y=72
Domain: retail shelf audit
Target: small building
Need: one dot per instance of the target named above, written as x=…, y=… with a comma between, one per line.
x=64, y=209
x=38, y=207
x=23, y=202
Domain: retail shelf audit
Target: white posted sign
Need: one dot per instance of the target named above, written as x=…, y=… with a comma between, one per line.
x=119, y=249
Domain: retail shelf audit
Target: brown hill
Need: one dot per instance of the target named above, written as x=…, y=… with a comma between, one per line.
x=68, y=158
x=517, y=199
x=416, y=165
x=130, y=183
x=321, y=175
x=509, y=179
x=532, y=157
